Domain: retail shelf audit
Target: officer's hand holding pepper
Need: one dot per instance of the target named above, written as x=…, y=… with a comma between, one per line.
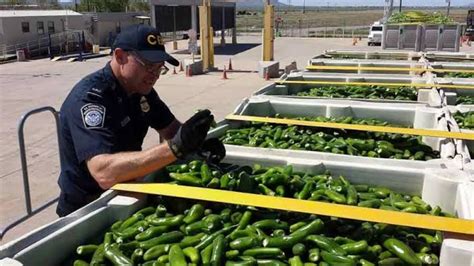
x=191, y=135
x=213, y=149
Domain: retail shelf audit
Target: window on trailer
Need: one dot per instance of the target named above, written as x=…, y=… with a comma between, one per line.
x=40, y=26
x=25, y=26
x=50, y=26
x=377, y=28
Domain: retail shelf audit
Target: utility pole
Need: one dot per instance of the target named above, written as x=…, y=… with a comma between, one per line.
x=449, y=5
x=304, y=4
x=400, y=7
x=387, y=11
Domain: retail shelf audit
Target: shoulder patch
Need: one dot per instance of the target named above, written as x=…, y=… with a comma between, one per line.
x=93, y=115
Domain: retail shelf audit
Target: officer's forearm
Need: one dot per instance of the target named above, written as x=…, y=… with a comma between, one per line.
x=110, y=169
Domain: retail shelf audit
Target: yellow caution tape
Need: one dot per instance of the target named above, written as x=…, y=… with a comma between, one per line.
x=388, y=84
x=320, y=208
x=397, y=130
x=374, y=68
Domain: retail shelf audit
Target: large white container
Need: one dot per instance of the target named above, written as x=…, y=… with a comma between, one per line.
x=413, y=115
x=55, y=242
x=427, y=96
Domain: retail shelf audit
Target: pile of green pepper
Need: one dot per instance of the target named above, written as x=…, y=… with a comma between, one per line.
x=248, y=236
x=458, y=75
x=465, y=119
x=359, y=143
x=465, y=100
x=362, y=92
x=285, y=182
x=419, y=17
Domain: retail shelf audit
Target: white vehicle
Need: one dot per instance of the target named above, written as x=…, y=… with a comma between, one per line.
x=375, y=34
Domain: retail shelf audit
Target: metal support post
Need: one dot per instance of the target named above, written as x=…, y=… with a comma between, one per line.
x=234, y=30
x=206, y=31
x=50, y=52
x=268, y=33
x=80, y=47
x=175, y=43
x=223, y=27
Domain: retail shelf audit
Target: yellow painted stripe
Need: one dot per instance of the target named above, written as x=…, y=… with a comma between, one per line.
x=374, y=68
x=388, y=84
x=398, y=130
x=320, y=208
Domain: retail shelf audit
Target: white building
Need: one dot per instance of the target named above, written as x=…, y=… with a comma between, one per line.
x=20, y=26
x=104, y=26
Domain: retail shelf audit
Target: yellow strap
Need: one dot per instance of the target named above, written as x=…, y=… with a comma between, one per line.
x=388, y=84
x=398, y=130
x=320, y=208
x=374, y=68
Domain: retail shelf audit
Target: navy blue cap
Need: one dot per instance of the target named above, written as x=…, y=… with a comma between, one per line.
x=146, y=41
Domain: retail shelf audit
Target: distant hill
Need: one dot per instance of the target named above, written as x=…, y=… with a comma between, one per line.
x=256, y=4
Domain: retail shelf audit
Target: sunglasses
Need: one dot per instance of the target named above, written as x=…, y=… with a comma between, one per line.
x=152, y=68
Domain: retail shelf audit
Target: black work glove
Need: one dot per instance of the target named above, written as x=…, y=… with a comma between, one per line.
x=213, y=150
x=191, y=134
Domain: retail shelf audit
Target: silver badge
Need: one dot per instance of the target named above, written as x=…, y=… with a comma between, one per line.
x=144, y=105
x=93, y=115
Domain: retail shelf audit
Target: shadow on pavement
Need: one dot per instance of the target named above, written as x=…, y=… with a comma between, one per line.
x=233, y=49
x=228, y=49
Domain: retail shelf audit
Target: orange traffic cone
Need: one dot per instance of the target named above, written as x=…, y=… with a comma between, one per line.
x=181, y=67
x=267, y=75
x=230, y=64
x=224, y=74
x=174, y=71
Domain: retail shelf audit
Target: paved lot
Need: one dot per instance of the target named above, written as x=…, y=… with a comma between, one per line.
x=28, y=85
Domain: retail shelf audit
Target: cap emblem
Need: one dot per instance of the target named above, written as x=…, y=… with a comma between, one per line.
x=154, y=39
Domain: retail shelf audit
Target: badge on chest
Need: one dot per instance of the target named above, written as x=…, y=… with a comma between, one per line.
x=144, y=105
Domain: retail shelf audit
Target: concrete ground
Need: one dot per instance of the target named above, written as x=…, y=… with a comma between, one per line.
x=32, y=84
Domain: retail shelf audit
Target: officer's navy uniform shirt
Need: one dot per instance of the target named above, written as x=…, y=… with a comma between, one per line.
x=98, y=117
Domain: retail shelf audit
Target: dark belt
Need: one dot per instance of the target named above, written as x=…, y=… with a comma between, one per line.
x=69, y=203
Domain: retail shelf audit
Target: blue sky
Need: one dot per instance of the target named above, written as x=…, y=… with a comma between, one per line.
x=377, y=2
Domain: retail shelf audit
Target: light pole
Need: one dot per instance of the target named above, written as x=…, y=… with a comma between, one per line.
x=449, y=5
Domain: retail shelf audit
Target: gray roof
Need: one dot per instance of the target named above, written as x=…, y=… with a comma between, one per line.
x=37, y=13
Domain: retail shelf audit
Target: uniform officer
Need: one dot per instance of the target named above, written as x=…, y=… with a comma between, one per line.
x=106, y=116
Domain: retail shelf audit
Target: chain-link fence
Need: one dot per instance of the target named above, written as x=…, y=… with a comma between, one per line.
x=302, y=28
x=343, y=22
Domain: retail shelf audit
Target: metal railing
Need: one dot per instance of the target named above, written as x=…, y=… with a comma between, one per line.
x=24, y=168
x=58, y=43
x=312, y=31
